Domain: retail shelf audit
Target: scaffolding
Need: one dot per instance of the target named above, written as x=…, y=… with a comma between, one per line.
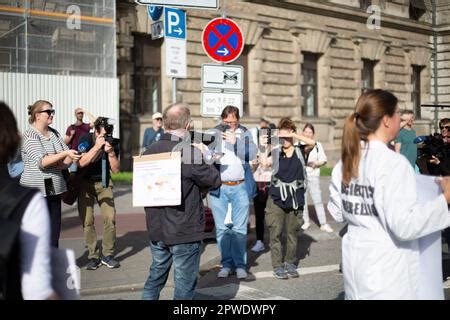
x=58, y=37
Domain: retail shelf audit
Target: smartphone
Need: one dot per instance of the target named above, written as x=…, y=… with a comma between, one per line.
x=225, y=128
x=49, y=187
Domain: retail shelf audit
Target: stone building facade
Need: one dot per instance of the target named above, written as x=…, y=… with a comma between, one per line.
x=309, y=60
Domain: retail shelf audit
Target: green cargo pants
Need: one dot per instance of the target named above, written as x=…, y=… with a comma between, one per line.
x=89, y=193
x=276, y=218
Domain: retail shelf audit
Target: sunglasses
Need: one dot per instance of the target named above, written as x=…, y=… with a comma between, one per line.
x=445, y=127
x=158, y=119
x=80, y=112
x=50, y=112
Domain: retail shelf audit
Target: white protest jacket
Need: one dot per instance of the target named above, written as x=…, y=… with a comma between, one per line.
x=380, y=254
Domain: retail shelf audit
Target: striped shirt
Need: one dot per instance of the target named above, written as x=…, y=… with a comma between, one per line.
x=35, y=147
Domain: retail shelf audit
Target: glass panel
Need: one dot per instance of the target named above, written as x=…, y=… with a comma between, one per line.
x=50, y=37
x=309, y=87
x=367, y=75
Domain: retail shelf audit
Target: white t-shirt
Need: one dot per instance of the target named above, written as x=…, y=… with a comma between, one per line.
x=316, y=155
x=35, y=250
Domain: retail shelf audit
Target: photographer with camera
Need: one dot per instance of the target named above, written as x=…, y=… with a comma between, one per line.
x=100, y=156
x=438, y=146
x=262, y=174
x=230, y=203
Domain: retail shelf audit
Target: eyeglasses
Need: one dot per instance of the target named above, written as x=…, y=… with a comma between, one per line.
x=445, y=127
x=50, y=112
x=230, y=122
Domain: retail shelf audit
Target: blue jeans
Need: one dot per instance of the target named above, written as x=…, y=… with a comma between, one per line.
x=232, y=240
x=186, y=259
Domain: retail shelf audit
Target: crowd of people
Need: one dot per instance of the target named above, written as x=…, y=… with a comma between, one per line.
x=273, y=166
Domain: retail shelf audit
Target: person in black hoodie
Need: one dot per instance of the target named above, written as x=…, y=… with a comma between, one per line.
x=176, y=232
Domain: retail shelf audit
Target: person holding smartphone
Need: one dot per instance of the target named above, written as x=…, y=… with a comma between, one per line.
x=45, y=155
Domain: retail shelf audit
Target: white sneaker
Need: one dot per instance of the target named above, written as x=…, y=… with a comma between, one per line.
x=306, y=225
x=241, y=273
x=259, y=246
x=326, y=227
x=224, y=273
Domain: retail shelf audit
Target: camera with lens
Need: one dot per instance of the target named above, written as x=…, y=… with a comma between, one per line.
x=432, y=145
x=108, y=124
x=429, y=147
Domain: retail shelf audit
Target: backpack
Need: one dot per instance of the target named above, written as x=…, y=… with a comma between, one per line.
x=294, y=185
x=14, y=200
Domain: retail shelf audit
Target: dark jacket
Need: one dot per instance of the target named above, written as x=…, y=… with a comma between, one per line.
x=184, y=223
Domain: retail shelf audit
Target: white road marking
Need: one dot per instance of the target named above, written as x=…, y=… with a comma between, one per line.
x=301, y=271
x=235, y=291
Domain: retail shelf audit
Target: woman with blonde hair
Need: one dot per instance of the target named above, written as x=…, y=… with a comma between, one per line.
x=45, y=155
x=374, y=190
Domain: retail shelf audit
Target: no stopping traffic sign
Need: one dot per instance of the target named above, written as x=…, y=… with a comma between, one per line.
x=222, y=40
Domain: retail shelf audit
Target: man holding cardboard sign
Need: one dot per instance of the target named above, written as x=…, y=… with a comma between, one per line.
x=176, y=231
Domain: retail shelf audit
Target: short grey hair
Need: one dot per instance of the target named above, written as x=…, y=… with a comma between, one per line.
x=176, y=116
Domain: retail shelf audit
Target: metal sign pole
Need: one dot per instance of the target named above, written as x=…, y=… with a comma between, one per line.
x=174, y=90
x=435, y=67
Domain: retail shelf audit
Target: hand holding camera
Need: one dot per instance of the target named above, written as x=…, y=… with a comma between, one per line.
x=100, y=142
x=229, y=137
x=108, y=147
x=434, y=160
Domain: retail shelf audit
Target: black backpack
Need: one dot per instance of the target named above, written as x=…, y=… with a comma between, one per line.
x=14, y=200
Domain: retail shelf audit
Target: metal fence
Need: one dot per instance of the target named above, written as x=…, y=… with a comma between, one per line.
x=99, y=96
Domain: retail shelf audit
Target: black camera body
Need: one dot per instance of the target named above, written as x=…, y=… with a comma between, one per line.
x=108, y=124
x=433, y=145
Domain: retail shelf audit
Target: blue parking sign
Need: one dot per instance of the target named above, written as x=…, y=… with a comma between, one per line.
x=175, y=23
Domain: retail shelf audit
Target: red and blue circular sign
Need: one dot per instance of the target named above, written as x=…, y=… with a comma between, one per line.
x=222, y=40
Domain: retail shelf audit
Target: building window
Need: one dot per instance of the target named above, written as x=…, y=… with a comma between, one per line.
x=309, y=87
x=417, y=9
x=147, y=75
x=364, y=4
x=367, y=75
x=415, y=94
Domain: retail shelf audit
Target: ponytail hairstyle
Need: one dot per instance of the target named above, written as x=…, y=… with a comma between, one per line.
x=35, y=108
x=370, y=109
